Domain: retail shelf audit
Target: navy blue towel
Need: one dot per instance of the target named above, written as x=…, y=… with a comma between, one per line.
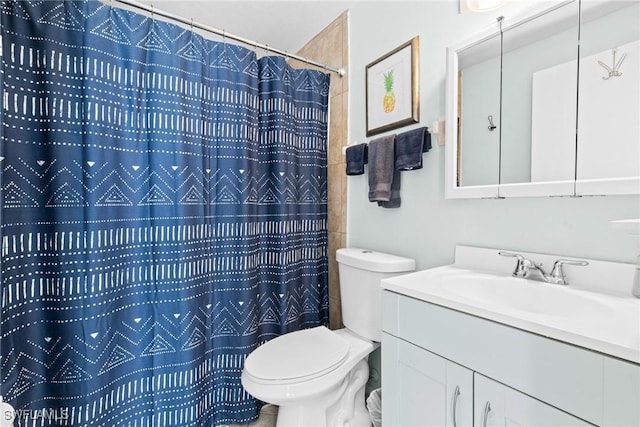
x=356, y=159
x=409, y=148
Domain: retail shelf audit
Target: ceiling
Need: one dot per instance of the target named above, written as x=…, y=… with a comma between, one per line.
x=285, y=25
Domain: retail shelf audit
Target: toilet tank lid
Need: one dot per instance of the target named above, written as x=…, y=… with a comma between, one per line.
x=365, y=259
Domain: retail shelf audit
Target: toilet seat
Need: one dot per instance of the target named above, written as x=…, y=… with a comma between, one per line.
x=297, y=356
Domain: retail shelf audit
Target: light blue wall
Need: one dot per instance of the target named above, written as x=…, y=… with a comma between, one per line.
x=427, y=227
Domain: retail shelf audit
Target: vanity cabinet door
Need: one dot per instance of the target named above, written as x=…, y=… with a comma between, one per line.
x=415, y=391
x=413, y=385
x=498, y=405
x=621, y=393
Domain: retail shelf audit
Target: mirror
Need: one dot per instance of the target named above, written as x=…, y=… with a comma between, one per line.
x=479, y=113
x=609, y=98
x=472, y=151
x=539, y=83
x=544, y=98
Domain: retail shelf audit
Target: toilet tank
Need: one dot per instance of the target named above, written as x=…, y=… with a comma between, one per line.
x=360, y=273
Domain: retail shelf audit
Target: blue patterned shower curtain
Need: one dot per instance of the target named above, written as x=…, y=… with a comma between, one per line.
x=163, y=214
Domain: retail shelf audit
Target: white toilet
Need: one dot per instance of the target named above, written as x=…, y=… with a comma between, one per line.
x=317, y=376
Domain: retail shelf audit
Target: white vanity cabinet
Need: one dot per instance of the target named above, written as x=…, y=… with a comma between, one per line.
x=528, y=379
x=496, y=405
x=422, y=389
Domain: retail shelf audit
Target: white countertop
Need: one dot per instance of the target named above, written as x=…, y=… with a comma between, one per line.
x=605, y=322
x=631, y=226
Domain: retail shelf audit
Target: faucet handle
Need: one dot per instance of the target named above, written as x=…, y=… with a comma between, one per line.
x=511, y=254
x=557, y=273
x=521, y=269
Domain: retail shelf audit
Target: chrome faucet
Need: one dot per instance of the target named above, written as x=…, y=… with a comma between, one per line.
x=527, y=269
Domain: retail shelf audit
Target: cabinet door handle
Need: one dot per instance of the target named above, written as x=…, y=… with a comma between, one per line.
x=456, y=393
x=485, y=415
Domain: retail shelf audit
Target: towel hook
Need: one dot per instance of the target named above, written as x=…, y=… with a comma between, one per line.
x=491, y=126
x=615, y=70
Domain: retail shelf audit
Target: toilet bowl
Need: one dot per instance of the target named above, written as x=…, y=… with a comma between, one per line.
x=335, y=370
x=317, y=376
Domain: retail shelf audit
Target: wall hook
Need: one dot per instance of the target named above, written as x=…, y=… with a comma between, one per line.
x=491, y=126
x=615, y=71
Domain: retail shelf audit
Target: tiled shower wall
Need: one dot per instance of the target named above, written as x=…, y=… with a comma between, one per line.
x=330, y=47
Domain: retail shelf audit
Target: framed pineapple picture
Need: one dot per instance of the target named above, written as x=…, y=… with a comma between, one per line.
x=393, y=91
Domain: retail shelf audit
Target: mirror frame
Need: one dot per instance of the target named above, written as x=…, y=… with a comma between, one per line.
x=499, y=190
x=451, y=188
x=571, y=188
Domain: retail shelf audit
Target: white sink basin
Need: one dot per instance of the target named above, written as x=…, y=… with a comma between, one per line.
x=606, y=323
x=525, y=295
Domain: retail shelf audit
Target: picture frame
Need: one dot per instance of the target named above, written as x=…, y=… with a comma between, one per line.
x=393, y=89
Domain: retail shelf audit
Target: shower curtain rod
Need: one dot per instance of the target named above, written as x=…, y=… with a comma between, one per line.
x=224, y=34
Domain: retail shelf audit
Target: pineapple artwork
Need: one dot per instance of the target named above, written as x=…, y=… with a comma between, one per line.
x=392, y=89
x=389, y=99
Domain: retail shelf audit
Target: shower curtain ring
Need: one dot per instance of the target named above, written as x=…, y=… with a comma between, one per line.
x=191, y=24
x=153, y=16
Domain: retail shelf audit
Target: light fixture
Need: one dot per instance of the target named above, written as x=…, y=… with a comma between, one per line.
x=480, y=5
